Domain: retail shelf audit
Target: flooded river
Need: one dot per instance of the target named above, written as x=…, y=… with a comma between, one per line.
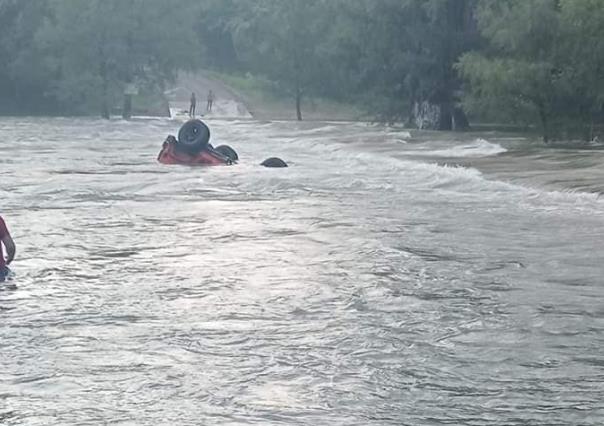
x=384, y=278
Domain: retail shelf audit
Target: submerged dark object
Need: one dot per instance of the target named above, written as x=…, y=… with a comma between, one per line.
x=227, y=151
x=193, y=136
x=274, y=162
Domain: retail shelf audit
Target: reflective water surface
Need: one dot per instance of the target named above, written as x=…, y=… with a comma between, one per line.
x=373, y=282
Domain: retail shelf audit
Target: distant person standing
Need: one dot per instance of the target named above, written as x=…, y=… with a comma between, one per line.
x=7, y=242
x=210, y=101
x=193, y=105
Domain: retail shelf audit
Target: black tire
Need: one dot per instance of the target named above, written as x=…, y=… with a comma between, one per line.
x=227, y=151
x=274, y=162
x=193, y=136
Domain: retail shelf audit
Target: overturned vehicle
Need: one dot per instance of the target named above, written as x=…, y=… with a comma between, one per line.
x=193, y=148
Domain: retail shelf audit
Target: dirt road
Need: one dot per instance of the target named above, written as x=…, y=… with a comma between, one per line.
x=227, y=103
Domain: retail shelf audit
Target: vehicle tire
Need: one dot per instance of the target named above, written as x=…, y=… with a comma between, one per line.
x=227, y=151
x=274, y=162
x=193, y=136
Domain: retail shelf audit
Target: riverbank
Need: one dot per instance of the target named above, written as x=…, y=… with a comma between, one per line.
x=513, y=154
x=266, y=102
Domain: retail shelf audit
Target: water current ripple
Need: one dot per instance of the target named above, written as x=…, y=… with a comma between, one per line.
x=364, y=285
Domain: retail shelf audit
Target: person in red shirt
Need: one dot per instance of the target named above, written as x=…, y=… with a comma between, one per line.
x=9, y=245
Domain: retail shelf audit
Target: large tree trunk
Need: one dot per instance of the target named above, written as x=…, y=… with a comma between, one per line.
x=105, y=92
x=299, y=104
x=544, y=123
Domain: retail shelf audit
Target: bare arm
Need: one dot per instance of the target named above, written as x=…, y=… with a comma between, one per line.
x=10, y=248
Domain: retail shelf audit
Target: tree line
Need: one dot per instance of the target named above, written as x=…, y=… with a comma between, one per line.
x=427, y=63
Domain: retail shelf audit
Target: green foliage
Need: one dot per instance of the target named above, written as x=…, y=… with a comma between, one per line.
x=23, y=72
x=401, y=53
x=543, y=64
x=536, y=62
x=78, y=56
x=583, y=48
x=282, y=40
x=214, y=27
x=100, y=46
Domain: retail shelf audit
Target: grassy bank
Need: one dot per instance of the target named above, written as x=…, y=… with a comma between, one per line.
x=265, y=101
